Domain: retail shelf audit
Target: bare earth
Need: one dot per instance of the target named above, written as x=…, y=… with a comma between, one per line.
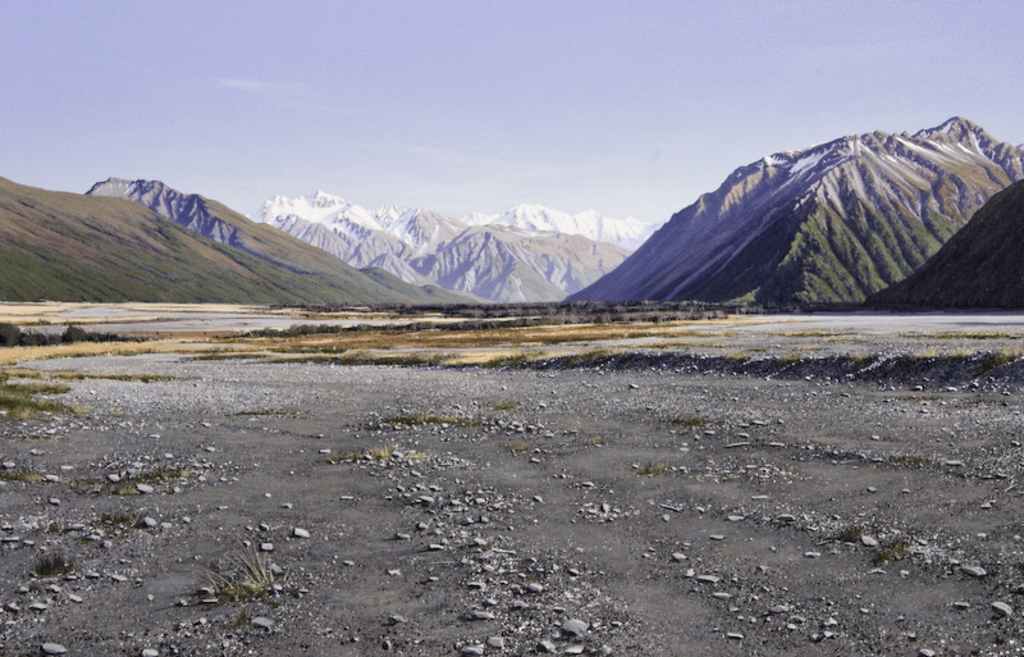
x=673, y=511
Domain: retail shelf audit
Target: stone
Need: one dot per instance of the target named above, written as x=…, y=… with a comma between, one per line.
x=150, y=652
x=1002, y=609
x=974, y=571
x=473, y=650
x=869, y=541
x=262, y=622
x=53, y=649
x=575, y=627
x=299, y=532
x=496, y=642
x=145, y=489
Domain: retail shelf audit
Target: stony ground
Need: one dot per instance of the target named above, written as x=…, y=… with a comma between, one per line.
x=406, y=511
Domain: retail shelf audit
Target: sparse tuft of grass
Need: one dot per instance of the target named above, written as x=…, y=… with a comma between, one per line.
x=18, y=399
x=652, y=470
x=850, y=534
x=242, y=620
x=586, y=358
x=268, y=412
x=245, y=575
x=506, y=406
x=162, y=475
x=22, y=475
x=52, y=564
x=122, y=519
x=381, y=453
x=692, y=421
x=891, y=552
x=418, y=419
x=518, y=447
x=908, y=461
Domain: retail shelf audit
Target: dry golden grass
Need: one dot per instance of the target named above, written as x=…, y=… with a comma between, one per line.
x=12, y=355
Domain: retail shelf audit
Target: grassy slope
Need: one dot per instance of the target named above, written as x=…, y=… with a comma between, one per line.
x=72, y=247
x=979, y=267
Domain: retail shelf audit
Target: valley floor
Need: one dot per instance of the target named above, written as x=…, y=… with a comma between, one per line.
x=445, y=511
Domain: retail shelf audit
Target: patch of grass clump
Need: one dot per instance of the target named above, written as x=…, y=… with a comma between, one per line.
x=851, y=534
x=692, y=421
x=245, y=575
x=908, y=461
x=18, y=399
x=52, y=564
x=122, y=519
x=652, y=470
x=162, y=475
x=891, y=552
x=268, y=412
x=506, y=406
x=586, y=358
x=418, y=419
x=381, y=453
x=22, y=475
x=518, y=447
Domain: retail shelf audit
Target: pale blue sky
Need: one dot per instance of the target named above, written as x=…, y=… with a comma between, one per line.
x=629, y=108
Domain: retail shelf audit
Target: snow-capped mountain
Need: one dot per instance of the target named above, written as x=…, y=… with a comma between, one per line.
x=628, y=233
x=835, y=222
x=521, y=255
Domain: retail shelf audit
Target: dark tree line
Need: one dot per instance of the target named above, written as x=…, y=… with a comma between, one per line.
x=12, y=336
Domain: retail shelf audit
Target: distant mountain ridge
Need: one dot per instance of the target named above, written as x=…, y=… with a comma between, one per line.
x=982, y=266
x=835, y=222
x=109, y=245
x=530, y=253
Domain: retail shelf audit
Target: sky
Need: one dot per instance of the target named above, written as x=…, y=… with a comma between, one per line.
x=627, y=108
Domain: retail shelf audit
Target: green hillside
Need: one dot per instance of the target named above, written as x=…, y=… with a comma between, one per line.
x=72, y=247
x=982, y=266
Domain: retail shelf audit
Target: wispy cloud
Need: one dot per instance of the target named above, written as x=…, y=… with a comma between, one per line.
x=260, y=87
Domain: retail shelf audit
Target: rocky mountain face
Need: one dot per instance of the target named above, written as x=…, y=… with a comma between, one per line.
x=218, y=256
x=190, y=211
x=832, y=223
x=979, y=267
x=528, y=254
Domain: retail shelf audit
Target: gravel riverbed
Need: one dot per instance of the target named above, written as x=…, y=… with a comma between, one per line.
x=640, y=508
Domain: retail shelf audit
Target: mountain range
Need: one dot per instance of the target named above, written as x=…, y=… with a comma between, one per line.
x=529, y=253
x=104, y=247
x=979, y=267
x=836, y=222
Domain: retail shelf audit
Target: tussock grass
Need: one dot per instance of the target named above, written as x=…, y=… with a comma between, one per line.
x=268, y=412
x=14, y=355
x=519, y=447
x=23, y=475
x=653, y=470
x=122, y=519
x=381, y=452
x=418, y=419
x=52, y=564
x=246, y=574
x=506, y=406
x=18, y=400
x=850, y=534
x=891, y=552
x=692, y=421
